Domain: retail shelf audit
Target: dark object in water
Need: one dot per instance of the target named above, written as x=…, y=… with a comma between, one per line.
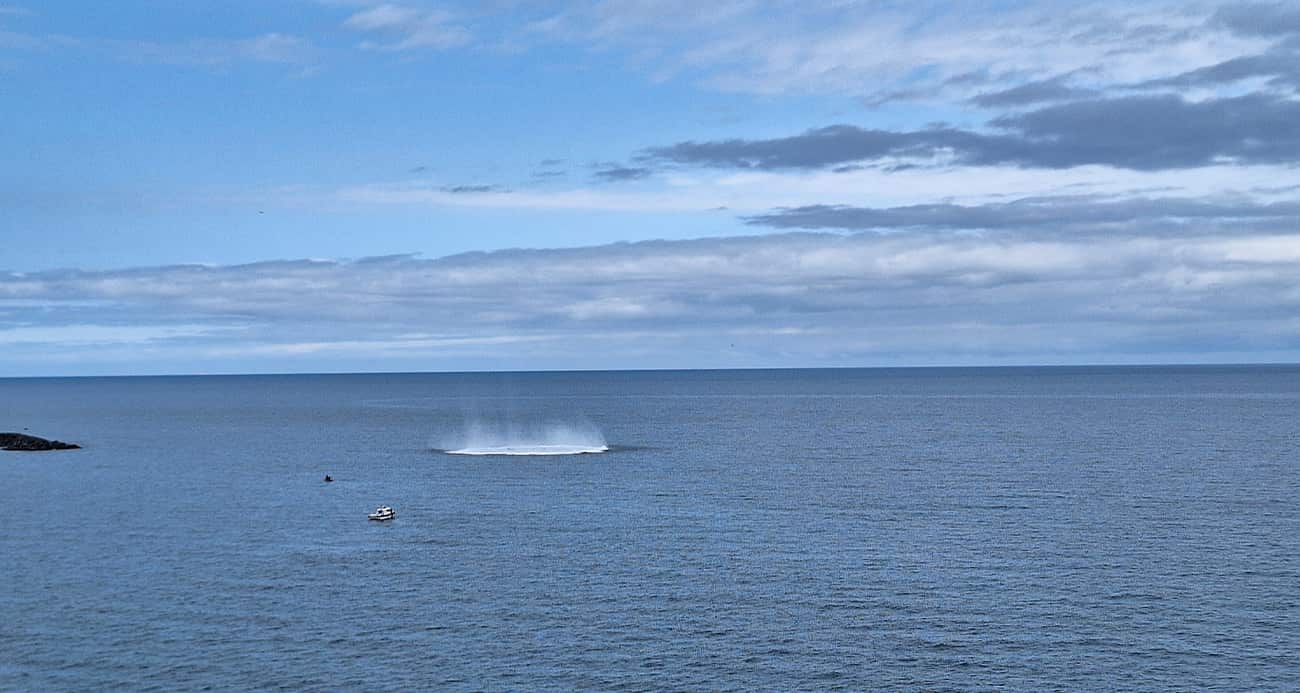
x=328, y=478
x=22, y=442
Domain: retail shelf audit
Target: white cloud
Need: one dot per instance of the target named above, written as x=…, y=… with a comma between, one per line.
x=865, y=47
x=271, y=47
x=408, y=28
x=84, y=335
x=215, y=53
x=753, y=191
x=792, y=299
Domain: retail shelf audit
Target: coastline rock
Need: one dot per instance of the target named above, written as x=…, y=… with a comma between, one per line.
x=24, y=443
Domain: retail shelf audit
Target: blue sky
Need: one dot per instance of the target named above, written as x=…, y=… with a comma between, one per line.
x=308, y=186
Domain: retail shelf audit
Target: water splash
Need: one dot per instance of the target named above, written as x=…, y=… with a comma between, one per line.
x=495, y=438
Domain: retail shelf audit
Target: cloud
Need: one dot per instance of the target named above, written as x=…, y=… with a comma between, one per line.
x=25, y=41
x=884, y=52
x=1148, y=132
x=271, y=47
x=613, y=173
x=1154, y=132
x=818, y=148
x=275, y=48
x=1281, y=67
x=408, y=28
x=20, y=41
x=1259, y=19
x=472, y=189
x=798, y=298
x=92, y=335
x=266, y=48
x=535, y=199
x=1054, y=216
x=756, y=191
x=1042, y=91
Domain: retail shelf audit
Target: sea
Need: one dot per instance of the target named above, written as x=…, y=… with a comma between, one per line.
x=939, y=529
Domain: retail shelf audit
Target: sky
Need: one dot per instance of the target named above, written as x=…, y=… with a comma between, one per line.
x=355, y=186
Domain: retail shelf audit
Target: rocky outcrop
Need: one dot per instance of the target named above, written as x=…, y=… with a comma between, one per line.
x=25, y=443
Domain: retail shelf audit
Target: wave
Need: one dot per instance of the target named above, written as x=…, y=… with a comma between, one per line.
x=484, y=438
x=530, y=450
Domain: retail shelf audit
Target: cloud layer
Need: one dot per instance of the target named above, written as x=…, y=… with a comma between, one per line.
x=929, y=183
x=809, y=299
x=1136, y=132
x=1053, y=217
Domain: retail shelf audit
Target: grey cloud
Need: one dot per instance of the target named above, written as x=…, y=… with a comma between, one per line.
x=1259, y=19
x=963, y=80
x=1043, y=91
x=614, y=173
x=801, y=294
x=1282, y=67
x=551, y=168
x=469, y=189
x=974, y=77
x=829, y=146
x=1159, y=132
x=1061, y=214
x=896, y=95
x=1275, y=189
x=1137, y=132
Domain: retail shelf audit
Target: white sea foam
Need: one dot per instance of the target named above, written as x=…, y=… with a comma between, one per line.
x=480, y=438
x=541, y=449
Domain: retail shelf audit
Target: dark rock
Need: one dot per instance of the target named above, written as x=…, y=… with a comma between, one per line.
x=25, y=443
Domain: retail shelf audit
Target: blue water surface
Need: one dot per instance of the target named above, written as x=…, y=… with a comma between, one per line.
x=875, y=529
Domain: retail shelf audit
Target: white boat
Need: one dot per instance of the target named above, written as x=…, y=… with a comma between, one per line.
x=382, y=513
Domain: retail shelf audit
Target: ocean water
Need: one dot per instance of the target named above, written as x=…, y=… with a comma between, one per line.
x=938, y=529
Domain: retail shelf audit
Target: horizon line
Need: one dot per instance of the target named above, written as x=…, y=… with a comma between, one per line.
x=1026, y=366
